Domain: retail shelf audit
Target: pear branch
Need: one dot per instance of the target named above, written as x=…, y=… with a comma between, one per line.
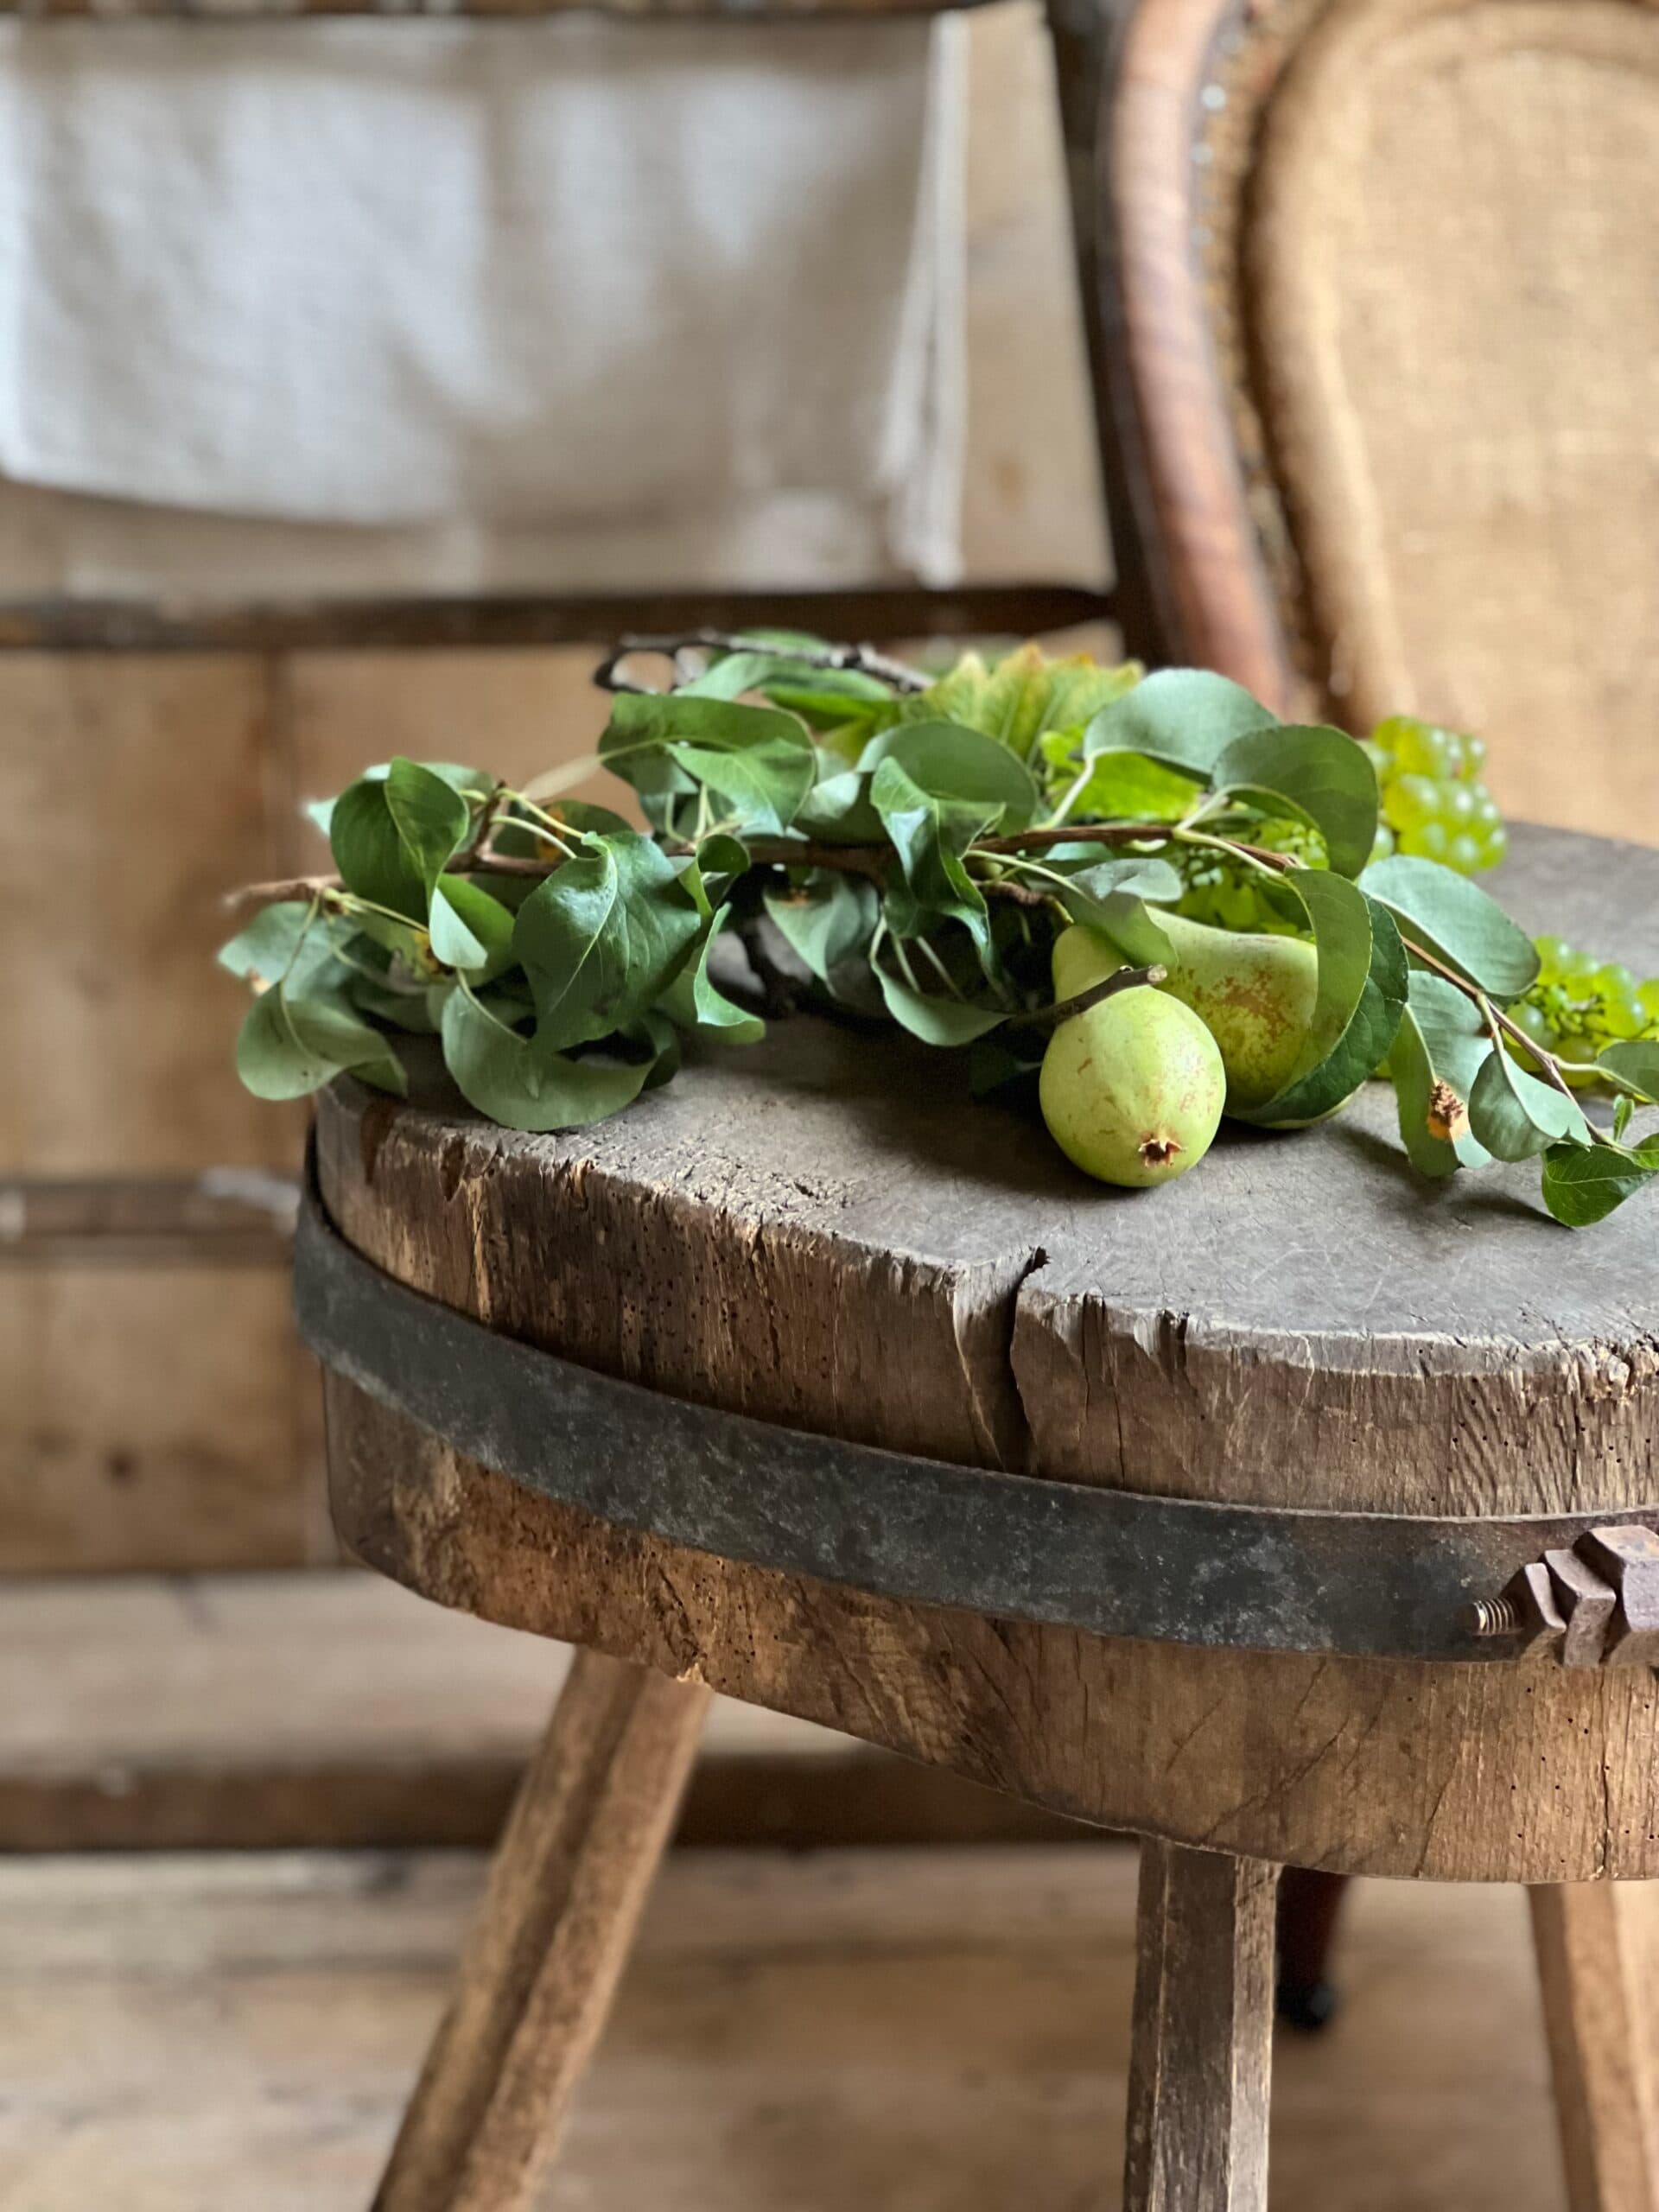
x=859, y=660
x=1121, y=979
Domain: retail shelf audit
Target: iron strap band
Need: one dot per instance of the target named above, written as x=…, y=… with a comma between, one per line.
x=1112, y=1563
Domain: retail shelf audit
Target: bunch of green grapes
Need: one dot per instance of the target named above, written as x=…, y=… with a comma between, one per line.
x=1230, y=894
x=1433, y=801
x=1581, y=1004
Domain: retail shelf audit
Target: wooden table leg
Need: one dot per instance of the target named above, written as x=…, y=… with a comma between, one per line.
x=1201, y=2062
x=1594, y=2049
x=543, y=1959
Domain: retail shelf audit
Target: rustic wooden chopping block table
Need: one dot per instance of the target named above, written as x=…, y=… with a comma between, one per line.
x=1409, y=1392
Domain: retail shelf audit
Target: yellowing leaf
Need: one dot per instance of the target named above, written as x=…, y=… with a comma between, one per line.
x=1024, y=695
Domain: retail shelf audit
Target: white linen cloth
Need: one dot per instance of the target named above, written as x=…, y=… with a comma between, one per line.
x=574, y=303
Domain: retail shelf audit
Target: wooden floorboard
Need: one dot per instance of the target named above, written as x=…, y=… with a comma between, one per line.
x=847, y=2031
x=333, y=1709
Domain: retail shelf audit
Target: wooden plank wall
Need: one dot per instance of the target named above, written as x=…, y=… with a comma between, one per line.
x=156, y=1412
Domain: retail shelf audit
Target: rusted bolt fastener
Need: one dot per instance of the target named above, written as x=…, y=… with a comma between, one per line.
x=1526, y=1609
x=1599, y=1603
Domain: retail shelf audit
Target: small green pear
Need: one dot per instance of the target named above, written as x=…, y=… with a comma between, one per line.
x=1253, y=992
x=1131, y=1089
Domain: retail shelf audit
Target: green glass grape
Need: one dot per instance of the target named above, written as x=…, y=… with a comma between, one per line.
x=1474, y=757
x=1464, y=854
x=1495, y=844
x=1647, y=997
x=1410, y=801
x=1458, y=806
x=1425, y=749
x=1382, y=843
x=1431, y=840
x=1552, y=952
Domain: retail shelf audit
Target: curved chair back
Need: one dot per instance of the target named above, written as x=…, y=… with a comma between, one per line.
x=1389, y=287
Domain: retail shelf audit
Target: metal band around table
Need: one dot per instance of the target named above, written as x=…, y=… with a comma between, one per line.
x=923, y=1531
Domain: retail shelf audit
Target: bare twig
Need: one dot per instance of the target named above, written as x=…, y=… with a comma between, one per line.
x=1121, y=979
x=863, y=660
x=801, y=852
x=294, y=887
x=1016, y=895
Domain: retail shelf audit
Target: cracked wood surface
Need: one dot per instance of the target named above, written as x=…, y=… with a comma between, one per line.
x=823, y=1231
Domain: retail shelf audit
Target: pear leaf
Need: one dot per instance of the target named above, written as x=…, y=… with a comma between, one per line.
x=1322, y=775
x=1358, y=1002
x=1635, y=1061
x=1455, y=920
x=949, y=761
x=930, y=836
x=833, y=919
x=601, y=938
x=430, y=816
x=758, y=761
x=471, y=930
x=1583, y=1184
x=497, y=1071
x=937, y=1021
x=1442, y=1039
x=695, y=1001
x=289, y=1047
x=1186, y=717
x=1516, y=1116
x=1110, y=896
x=1024, y=695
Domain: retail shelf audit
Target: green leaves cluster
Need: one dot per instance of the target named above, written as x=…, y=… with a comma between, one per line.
x=911, y=849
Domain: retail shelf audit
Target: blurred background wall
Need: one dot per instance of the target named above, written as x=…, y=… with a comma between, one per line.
x=155, y=1409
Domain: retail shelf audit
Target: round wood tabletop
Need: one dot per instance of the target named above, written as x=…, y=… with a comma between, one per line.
x=826, y=1230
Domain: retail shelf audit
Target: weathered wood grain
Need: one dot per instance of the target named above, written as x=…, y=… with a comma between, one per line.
x=135, y=795
x=424, y=624
x=157, y=1416
x=873, y=2032
x=1597, y=2057
x=1196, y=529
x=565, y=1892
x=712, y=10
x=1202, y=2054
x=823, y=1231
x=1451, y=1773
x=333, y=1710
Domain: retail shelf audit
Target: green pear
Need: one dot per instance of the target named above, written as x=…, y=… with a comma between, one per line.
x=1253, y=992
x=1131, y=1089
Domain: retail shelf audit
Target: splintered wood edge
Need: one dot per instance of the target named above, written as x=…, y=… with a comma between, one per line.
x=626, y=1261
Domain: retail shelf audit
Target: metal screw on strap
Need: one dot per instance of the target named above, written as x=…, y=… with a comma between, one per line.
x=1494, y=1616
x=1597, y=1604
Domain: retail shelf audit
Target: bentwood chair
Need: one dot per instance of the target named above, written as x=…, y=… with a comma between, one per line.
x=1382, y=291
